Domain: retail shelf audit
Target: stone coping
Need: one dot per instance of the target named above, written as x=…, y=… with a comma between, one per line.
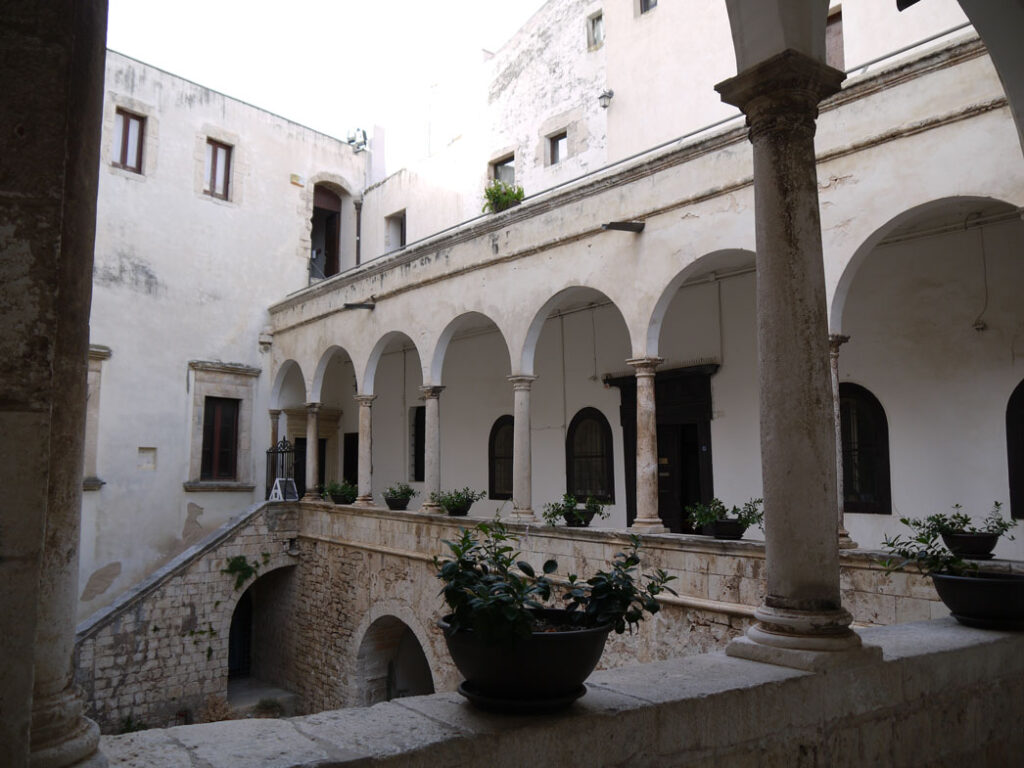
x=698, y=710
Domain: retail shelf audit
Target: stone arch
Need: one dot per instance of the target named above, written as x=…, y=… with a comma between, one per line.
x=316, y=388
x=393, y=657
x=379, y=348
x=567, y=296
x=717, y=263
x=288, y=381
x=966, y=204
x=466, y=320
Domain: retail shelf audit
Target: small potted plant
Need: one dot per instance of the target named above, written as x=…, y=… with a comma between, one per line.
x=498, y=196
x=341, y=493
x=962, y=536
x=516, y=651
x=977, y=598
x=568, y=509
x=397, y=496
x=457, y=503
x=715, y=519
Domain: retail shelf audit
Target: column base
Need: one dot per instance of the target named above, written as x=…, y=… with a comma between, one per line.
x=845, y=542
x=310, y=496
x=431, y=508
x=363, y=501
x=648, y=526
x=808, y=640
x=81, y=750
x=526, y=515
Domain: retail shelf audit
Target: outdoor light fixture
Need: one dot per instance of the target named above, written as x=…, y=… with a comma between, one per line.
x=605, y=98
x=359, y=305
x=624, y=226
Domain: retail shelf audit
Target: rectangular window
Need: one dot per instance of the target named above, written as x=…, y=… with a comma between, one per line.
x=395, y=234
x=220, y=438
x=835, y=56
x=648, y=5
x=217, y=171
x=505, y=170
x=558, y=147
x=595, y=30
x=419, y=443
x=129, y=132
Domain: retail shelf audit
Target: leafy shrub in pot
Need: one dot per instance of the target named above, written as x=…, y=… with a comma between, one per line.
x=397, y=496
x=715, y=519
x=568, y=510
x=456, y=503
x=341, y=493
x=962, y=536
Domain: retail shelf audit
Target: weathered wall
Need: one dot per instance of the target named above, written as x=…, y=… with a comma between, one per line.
x=161, y=651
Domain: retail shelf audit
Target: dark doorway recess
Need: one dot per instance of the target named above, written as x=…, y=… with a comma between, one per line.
x=240, y=638
x=350, y=460
x=1015, y=450
x=300, y=463
x=325, y=233
x=683, y=400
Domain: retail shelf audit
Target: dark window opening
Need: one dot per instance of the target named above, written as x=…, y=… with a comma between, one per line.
x=1015, y=450
x=558, y=147
x=325, y=234
x=129, y=134
x=589, y=464
x=865, y=431
x=220, y=438
x=419, y=442
x=499, y=458
x=647, y=5
x=350, y=460
x=395, y=235
x=504, y=170
x=300, y=464
x=218, y=169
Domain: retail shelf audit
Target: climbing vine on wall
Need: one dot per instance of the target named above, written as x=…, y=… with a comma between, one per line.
x=240, y=567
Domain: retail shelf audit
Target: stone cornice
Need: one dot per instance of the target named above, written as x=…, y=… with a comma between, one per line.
x=212, y=366
x=99, y=352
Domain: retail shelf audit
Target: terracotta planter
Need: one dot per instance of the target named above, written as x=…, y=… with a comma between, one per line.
x=987, y=600
x=974, y=546
x=729, y=530
x=540, y=673
x=396, y=503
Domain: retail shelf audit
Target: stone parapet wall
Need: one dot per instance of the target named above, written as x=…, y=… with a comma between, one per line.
x=942, y=694
x=160, y=652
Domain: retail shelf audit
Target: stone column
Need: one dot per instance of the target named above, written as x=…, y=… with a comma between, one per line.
x=522, y=485
x=432, y=446
x=835, y=340
x=312, y=452
x=365, y=479
x=802, y=622
x=275, y=427
x=647, y=519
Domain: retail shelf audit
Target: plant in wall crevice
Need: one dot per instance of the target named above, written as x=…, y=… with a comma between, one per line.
x=499, y=196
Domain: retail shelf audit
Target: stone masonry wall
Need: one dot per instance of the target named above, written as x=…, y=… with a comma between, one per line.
x=160, y=652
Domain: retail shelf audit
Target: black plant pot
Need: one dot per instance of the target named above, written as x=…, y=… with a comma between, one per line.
x=540, y=673
x=975, y=546
x=581, y=519
x=460, y=511
x=341, y=499
x=984, y=599
x=730, y=530
x=396, y=503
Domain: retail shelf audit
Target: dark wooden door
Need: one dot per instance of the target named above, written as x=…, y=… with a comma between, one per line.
x=350, y=460
x=679, y=474
x=300, y=463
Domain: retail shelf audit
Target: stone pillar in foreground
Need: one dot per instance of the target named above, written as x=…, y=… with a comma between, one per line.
x=522, y=481
x=802, y=622
x=431, y=446
x=312, y=452
x=275, y=427
x=364, y=480
x=647, y=519
x=835, y=340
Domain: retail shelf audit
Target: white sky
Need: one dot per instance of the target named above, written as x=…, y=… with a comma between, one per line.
x=330, y=65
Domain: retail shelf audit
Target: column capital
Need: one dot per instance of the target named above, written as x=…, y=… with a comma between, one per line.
x=312, y=407
x=781, y=93
x=365, y=400
x=835, y=341
x=645, y=365
x=521, y=381
x=274, y=412
x=431, y=391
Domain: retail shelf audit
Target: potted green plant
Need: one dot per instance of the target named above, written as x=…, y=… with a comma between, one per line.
x=987, y=599
x=575, y=516
x=498, y=196
x=962, y=536
x=516, y=651
x=397, y=496
x=456, y=503
x=341, y=493
x=715, y=519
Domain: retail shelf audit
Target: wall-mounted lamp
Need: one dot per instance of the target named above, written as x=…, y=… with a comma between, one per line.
x=605, y=98
x=624, y=226
x=359, y=305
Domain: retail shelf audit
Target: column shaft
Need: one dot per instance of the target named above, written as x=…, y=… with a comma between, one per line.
x=522, y=479
x=275, y=427
x=647, y=518
x=835, y=340
x=312, y=452
x=365, y=479
x=432, y=445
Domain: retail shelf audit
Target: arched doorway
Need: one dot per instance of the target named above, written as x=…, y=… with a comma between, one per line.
x=1015, y=450
x=325, y=235
x=391, y=664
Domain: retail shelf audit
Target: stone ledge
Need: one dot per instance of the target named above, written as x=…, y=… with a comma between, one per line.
x=941, y=692
x=217, y=486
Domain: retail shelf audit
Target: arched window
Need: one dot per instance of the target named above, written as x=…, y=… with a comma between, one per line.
x=865, y=452
x=1015, y=450
x=588, y=457
x=499, y=459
